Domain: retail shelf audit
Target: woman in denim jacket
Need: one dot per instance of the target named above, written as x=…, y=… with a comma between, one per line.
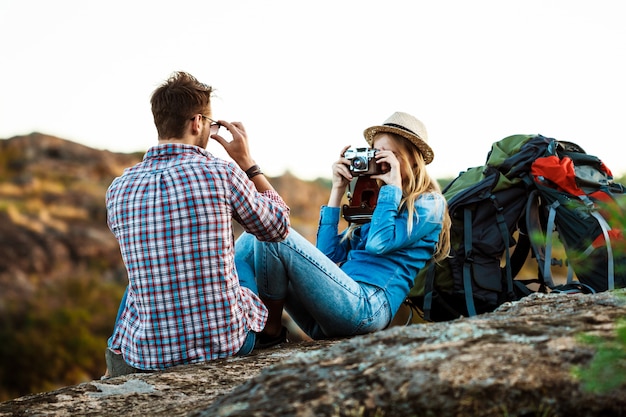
x=354, y=282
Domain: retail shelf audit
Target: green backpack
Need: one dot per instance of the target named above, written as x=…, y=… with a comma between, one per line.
x=487, y=205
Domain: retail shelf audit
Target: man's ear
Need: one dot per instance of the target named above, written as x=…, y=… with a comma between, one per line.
x=196, y=125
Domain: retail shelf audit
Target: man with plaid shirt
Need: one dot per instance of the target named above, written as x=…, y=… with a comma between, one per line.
x=172, y=216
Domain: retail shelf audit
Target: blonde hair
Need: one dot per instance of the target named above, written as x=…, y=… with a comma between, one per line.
x=415, y=182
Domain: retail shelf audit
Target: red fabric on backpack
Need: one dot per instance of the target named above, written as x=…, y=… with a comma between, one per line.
x=560, y=172
x=562, y=176
x=606, y=169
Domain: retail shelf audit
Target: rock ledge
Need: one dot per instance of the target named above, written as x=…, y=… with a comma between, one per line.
x=516, y=361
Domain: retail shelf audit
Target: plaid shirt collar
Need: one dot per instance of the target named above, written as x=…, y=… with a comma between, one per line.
x=169, y=149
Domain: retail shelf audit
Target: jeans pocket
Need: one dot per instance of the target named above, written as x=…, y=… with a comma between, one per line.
x=379, y=312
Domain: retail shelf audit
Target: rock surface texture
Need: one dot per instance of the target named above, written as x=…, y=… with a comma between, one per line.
x=516, y=361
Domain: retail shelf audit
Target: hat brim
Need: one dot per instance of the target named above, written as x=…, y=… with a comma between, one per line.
x=424, y=148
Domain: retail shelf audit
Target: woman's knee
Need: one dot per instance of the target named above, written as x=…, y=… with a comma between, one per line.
x=245, y=242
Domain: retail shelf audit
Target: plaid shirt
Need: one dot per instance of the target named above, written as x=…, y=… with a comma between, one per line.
x=172, y=216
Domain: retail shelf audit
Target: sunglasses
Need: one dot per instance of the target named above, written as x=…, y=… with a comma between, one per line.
x=213, y=127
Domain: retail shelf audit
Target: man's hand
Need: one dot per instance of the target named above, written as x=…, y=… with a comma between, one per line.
x=238, y=148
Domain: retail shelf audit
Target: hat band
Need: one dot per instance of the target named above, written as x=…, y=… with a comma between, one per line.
x=402, y=128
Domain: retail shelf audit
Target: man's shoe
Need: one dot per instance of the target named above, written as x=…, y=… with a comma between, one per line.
x=263, y=341
x=117, y=366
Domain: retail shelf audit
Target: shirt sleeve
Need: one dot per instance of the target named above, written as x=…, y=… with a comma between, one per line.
x=329, y=241
x=389, y=231
x=265, y=215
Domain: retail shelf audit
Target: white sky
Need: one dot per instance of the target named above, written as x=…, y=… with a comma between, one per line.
x=306, y=78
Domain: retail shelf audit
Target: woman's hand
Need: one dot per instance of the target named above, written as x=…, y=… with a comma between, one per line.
x=341, y=171
x=340, y=180
x=391, y=168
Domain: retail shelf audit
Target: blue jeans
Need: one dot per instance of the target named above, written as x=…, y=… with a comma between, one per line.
x=319, y=296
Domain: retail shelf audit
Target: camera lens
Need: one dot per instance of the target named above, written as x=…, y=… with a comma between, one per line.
x=359, y=163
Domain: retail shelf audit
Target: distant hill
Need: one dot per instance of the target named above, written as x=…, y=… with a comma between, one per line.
x=52, y=212
x=60, y=266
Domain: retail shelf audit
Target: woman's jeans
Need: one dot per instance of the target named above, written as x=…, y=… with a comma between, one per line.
x=319, y=296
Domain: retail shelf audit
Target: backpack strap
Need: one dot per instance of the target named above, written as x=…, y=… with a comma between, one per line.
x=505, y=238
x=520, y=253
x=550, y=239
x=535, y=229
x=573, y=288
x=467, y=263
x=469, y=260
x=518, y=260
x=607, y=240
x=429, y=288
x=547, y=262
x=570, y=273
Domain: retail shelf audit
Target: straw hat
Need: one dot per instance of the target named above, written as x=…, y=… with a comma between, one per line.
x=408, y=127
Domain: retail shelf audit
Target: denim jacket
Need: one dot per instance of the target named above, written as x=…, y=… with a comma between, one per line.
x=382, y=252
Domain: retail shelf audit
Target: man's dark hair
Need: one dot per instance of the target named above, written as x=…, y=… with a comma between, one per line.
x=176, y=101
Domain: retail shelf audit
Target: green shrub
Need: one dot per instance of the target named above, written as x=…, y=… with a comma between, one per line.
x=607, y=370
x=56, y=336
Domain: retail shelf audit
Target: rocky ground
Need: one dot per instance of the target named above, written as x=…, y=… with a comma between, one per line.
x=517, y=361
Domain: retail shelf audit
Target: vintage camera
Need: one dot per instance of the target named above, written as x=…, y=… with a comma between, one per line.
x=362, y=161
x=363, y=199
